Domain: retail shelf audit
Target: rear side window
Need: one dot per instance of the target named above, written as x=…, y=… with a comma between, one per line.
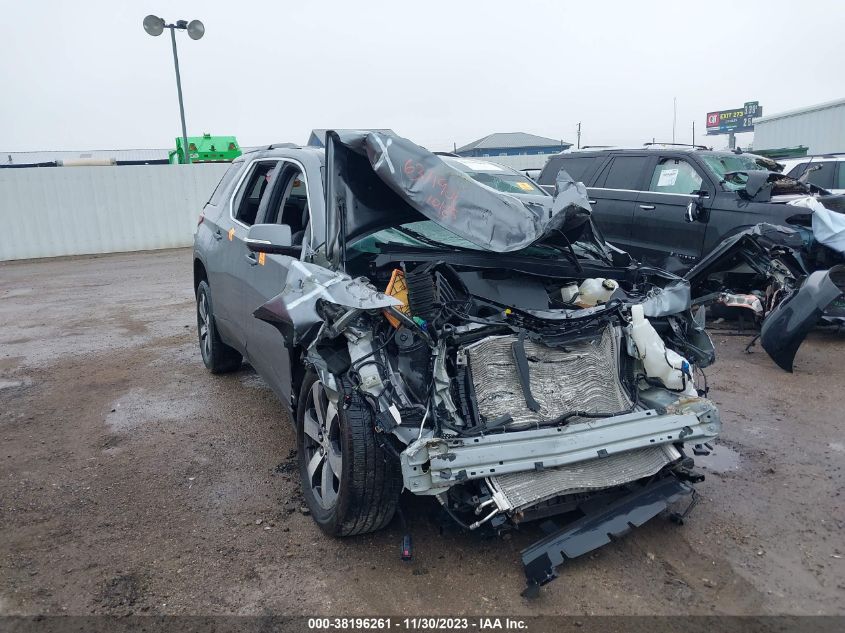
x=822, y=174
x=576, y=166
x=625, y=172
x=674, y=175
x=223, y=185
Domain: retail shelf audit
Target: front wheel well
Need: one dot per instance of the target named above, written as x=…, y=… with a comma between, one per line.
x=199, y=274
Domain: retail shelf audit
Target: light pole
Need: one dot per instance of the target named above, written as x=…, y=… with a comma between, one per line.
x=155, y=26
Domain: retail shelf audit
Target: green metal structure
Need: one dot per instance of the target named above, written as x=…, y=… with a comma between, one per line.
x=781, y=152
x=206, y=149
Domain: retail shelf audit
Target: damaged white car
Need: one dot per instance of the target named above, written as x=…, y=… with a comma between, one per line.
x=445, y=327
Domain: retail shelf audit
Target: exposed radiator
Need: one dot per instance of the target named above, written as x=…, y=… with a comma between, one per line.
x=582, y=377
x=521, y=490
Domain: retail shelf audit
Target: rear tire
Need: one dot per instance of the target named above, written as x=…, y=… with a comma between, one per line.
x=361, y=497
x=218, y=357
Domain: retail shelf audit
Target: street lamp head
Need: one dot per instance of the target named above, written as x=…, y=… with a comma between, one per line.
x=153, y=25
x=196, y=29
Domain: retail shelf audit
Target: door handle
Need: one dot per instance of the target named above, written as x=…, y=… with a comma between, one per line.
x=218, y=235
x=591, y=201
x=647, y=207
x=252, y=258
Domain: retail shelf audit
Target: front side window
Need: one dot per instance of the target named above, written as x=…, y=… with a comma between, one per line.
x=674, y=175
x=293, y=204
x=251, y=192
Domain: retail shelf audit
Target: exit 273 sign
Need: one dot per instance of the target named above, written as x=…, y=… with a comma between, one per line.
x=735, y=120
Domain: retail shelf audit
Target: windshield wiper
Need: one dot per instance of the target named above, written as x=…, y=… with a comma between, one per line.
x=427, y=240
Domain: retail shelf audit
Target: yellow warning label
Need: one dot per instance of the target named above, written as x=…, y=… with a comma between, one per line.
x=525, y=186
x=231, y=233
x=396, y=287
x=261, y=257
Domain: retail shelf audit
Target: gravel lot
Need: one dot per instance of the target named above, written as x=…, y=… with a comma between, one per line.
x=133, y=481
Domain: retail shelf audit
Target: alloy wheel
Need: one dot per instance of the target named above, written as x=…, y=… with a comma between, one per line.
x=323, y=458
x=204, y=326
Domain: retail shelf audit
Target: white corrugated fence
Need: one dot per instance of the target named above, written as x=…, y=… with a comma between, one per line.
x=50, y=211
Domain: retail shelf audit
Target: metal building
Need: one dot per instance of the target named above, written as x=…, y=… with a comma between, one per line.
x=820, y=128
x=512, y=144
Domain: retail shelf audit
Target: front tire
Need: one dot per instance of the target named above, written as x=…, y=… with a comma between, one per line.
x=218, y=357
x=350, y=483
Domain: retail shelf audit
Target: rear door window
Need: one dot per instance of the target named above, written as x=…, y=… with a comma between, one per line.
x=624, y=172
x=252, y=190
x=674, y=175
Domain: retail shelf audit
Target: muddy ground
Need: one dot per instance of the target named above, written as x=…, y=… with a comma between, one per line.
x=133, y=481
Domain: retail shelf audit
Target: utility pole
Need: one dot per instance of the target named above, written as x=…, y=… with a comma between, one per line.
x=155, y=26
x=579, y=134
x=674, y=115
x=693, y=131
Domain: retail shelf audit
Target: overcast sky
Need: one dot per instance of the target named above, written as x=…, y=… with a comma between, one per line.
x=84, y=75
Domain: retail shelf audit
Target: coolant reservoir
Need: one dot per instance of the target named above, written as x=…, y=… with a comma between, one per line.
x=669, y=367
x=568, y=293
x=595, y=291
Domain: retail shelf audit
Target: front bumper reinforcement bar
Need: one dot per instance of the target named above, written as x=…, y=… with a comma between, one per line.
x=432, y=465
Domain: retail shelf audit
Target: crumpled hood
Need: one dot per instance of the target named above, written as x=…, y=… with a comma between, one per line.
x=376, y=180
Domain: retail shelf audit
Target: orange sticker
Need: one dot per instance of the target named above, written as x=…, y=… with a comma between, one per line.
x=261, y=258
x=231, y=233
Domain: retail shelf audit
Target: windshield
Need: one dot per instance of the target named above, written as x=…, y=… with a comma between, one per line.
x=426, y=234
x=495, y=176
x=723, y=163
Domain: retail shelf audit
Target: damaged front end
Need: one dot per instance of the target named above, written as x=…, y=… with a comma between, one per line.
x=516, y=367
x=762, y=270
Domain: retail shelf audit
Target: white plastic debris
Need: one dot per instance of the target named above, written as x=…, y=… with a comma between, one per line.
x=828, y=226
x=672, y=369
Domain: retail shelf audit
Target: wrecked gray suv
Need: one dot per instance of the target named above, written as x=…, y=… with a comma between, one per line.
x=444, y=326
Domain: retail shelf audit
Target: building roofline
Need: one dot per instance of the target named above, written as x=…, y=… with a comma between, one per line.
x=798, y=111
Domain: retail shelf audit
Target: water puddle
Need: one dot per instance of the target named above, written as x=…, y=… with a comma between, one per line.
x=721, y=460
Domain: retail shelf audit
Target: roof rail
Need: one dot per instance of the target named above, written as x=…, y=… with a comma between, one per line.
x=447, y=154
x=598, y=146
x=284, y=146
x=677, y=145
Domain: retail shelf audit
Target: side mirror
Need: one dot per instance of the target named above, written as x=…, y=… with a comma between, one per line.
x=274, y=239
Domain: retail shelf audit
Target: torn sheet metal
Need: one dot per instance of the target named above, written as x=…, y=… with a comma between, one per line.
x=737, y=300
x=759, y=242
x=294, y=310
x=786, y=327
x=401, y=181
x=671, y=299
x=828, y=226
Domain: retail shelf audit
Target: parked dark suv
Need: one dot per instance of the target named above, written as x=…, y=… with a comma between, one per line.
x=668, y=205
